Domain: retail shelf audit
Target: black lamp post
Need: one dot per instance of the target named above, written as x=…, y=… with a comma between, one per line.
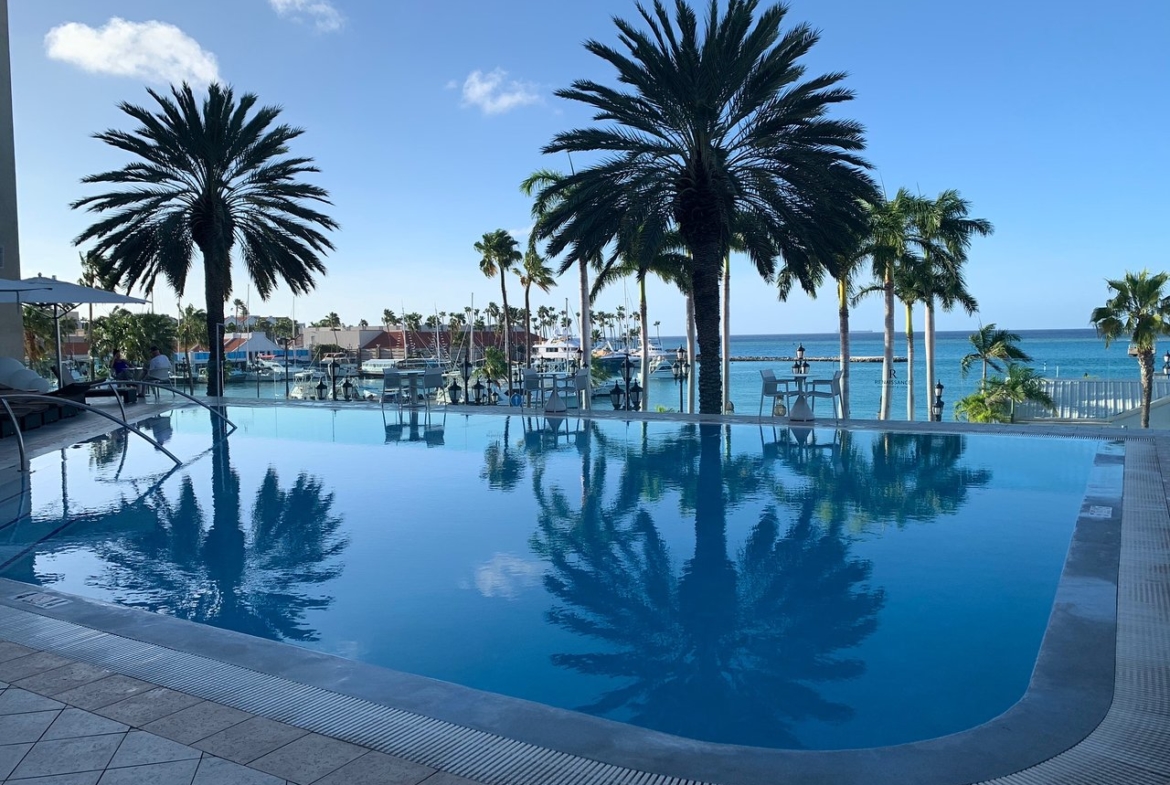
x=615, y=396
x=347, y=389
x=1166, y=364
x=478, y=387
x=321, y=390
x=453, y=392
x=466, y=373
x=632, y=394
x=936, y=408
x=680, y=373
x=580, y=356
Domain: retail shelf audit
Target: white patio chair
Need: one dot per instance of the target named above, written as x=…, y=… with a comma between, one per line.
x=773, y=389
x=159, y=376
x=825, y=388
x=391, y=387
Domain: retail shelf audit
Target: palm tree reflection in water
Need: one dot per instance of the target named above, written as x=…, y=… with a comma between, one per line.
x=253, y=581
x=730, y=649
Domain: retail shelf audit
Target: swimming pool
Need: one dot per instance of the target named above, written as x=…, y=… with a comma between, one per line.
x=845, y=589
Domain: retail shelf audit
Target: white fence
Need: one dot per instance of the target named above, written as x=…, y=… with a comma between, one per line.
x=1090, y=399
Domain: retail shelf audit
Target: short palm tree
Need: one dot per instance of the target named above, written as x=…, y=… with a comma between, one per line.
x=991, y=345
x=718, y=122
x=996, y=400
x=191, y=332
x=211, y=176
x=498, y=253
x=1140, y=310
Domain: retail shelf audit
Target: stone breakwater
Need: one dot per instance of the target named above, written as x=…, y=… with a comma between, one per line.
x=782, y=359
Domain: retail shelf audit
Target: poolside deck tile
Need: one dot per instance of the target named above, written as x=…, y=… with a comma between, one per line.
x=197, y=722
x=62, y=679
x=308, y=759
x=105, y=691
x=18, y=701
x=179, y=772
x=80, y=778
x=10, y=651
x=376, y=768
x=250, y=739
x=29, y=665
x=140, y=748
x=137, y=710
x=217, y=771
x=11, y=755
x=67, y=756
x=20, y=728
x=73, y=722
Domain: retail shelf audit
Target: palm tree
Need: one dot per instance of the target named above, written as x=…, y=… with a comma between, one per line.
x=992, y=345
x=498, y=253
x=211, y=178
x=997, y=398
x=536, y=185
x=1140, y=310
x=942, y=232
x=241, y=311
x=388, y=318
x=886, y=246
x=534, y=273
x=95, y=272
x=715, y=127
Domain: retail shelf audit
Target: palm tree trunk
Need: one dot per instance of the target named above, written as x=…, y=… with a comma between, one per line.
x=586, y=328
x=645, y=337
x=527, y=327
x=507, y=324
x=887, y=344
x=843, y=326
x=708, y=258
x=215, y=288
x=909, y=362
x=928, y=345
x=725, y=345
x=1146, y=362
x=692, y=377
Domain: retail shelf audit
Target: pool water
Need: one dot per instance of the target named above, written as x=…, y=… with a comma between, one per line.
x=816, y=589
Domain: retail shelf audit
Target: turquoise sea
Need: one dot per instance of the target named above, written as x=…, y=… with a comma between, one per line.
x=1063, y=354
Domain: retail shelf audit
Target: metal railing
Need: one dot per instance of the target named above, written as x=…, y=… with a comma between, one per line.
x=118, y=386
x=1090, y=399
x=69, y=402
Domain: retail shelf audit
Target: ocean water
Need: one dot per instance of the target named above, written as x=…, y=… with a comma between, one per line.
x=1057, y=354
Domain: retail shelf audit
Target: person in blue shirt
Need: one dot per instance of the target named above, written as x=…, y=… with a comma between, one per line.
x=120, y=367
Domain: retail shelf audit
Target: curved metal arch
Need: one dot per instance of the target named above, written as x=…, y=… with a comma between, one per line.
x=84, y=406
x=161, y=386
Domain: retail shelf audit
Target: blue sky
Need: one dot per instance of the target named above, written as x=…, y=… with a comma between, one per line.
x=425, y=116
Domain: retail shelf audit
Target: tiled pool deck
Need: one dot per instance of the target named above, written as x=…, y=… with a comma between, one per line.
x=93, y=693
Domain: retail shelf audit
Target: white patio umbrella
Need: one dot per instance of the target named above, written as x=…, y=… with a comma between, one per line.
x=62, y=297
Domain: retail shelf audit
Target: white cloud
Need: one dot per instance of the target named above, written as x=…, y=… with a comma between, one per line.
x=495, y=94
x=150, y=51
x=321, y=13
x=505, y=575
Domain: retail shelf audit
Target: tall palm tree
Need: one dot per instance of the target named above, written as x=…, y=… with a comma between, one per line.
x=209, y=177
x=534, y=273
x=716, y=124
x=990, y=345
x=942, y=232
x=887, y=248
x=498, y=253
x=536, y=185
x=1140, y=310
x=241, y=311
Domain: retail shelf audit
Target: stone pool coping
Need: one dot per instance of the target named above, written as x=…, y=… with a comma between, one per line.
x=1068, y=697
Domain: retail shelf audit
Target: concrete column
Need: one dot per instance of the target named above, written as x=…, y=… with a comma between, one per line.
x=11, y=325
